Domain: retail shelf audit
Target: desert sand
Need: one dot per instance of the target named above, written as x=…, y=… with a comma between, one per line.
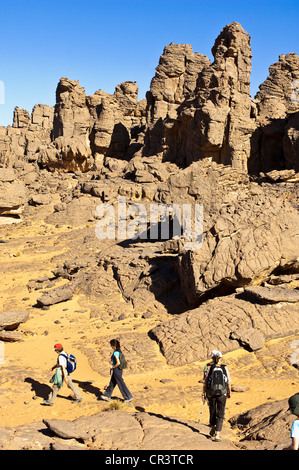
x=25, y=371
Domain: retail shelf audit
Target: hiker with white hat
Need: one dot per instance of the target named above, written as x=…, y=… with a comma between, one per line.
x=216, y=390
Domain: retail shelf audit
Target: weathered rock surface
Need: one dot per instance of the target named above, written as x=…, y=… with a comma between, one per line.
x=13, y=195
x=272, y=295
x=275, y=139
x=224, y=323
x=113, y=430
x=265, y=427
x=213, y=121
x=194, y=110
x=57, y=295
x=198, y=138
x=11, y=320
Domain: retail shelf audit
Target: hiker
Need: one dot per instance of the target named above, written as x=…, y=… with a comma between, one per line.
x=216, y=390
x=61, y=375
x=117, y=371
x=294, y=409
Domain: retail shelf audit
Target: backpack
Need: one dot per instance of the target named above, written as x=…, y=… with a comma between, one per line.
x=122, y=360
x=71, y=362
x=217, y=381
x=294, y=404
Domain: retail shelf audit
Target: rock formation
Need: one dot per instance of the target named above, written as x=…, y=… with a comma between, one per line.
x=274, y=141
x=197, y=139
x=210, y=117
x=194, y=110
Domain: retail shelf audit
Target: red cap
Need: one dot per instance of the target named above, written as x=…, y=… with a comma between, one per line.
x=57, y=346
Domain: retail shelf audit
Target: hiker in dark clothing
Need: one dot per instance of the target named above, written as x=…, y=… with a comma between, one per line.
x=117, y=372
x=294, y=409
x=216, y=390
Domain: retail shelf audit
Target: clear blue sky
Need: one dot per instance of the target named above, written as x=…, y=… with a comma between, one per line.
x=103, y=43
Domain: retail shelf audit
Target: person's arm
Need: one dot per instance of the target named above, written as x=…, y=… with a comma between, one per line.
x=294, y=445
x=117, y=361
x=228, y=382
x=295, y=439
x=62, y=364
x=204, y=388
x=64, y=374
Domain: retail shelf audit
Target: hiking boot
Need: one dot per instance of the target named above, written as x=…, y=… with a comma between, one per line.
x=212, y=432
x=217, y=437
x=103, y=397
x=47, y=403
x=128, y=400
x=77, y=400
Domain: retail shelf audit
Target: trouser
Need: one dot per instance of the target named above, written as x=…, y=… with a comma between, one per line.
x=117, y=379
x=217, y=411
x=55, y=390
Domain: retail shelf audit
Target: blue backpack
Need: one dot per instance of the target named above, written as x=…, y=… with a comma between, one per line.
x=71, y=362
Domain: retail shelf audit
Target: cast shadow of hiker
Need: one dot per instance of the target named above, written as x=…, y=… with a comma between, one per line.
x=182, y=422
x=41, y=390
x=89, y=388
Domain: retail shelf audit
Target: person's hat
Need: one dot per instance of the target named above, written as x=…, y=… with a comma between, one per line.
x=294, y=404
x=57, y=346
x=215, y=353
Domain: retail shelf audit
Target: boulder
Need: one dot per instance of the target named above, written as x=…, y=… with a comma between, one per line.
x=66, y=429
x=249, y=338
x=248, y=232
x=11, y=320
x=11, y=336
x=271, y=294
x=265, y=427
x=57, y=295
x=13, y=193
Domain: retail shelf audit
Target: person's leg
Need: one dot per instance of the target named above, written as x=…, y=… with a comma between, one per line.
x=52, y=396
x=109, y=390
x=121, y=385
x=212, y=410
x=74, y=389
x=220, y=412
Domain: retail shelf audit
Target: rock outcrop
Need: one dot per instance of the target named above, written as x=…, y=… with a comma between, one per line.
x=194, y=110
x=210, y=117
x=9, y=322
x=266, y=427
x=13, y=196
x=275, y=139
x=198, y=139
x=224, y=323
x=113, y=430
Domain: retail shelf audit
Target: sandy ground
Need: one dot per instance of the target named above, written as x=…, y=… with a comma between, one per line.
x=25, y=370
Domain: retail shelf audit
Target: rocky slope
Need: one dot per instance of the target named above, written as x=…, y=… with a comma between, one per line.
x=197, y=139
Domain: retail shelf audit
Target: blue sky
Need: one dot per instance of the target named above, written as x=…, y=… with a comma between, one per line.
x=103, y=43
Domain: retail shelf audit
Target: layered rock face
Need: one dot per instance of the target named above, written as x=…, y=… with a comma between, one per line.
x=208, y=115
x=78, y=131
x=194, y=110
x=274, y=143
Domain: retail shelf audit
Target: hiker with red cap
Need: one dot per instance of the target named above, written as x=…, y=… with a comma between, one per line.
x=61, y=375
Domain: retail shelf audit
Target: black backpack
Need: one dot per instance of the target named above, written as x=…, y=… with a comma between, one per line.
x=122, y=360
x=217, y=381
